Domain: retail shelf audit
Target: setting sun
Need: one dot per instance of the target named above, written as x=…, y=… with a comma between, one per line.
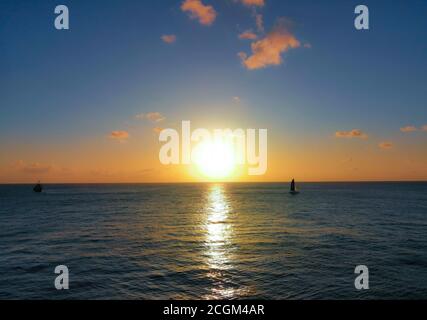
x=214, y=159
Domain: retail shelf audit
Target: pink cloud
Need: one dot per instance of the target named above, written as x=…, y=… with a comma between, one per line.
x=157, y=130
x=119, y=135
x=197, y=10
x=408, y=129
x=247, y=35
x=355, y=133
x=424, y=128
x=268, y=51
x=253, y=3
x=152, y=116
x=168, y=38
x=386, y=145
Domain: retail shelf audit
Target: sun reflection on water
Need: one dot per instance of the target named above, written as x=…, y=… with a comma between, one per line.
x=218, y=242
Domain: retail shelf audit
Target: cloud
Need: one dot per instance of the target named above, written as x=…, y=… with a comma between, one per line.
x=32, y=168
x=168, y=38
x=157, y=130
x=119, y=135
x=386, y=145
x=247, y=35
x=197, y=10
x=259, y=21
x=307, y=45
x=424, y=127
x=267, y=51
x=151, y=116
x=253, y=3
x=155, y=116
x=355, y=133
x=236, y=99
x=408, y=129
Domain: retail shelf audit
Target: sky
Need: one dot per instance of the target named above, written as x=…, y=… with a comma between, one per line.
x=87, y=104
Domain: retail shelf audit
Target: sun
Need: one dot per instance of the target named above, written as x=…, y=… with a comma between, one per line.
x=214, y=159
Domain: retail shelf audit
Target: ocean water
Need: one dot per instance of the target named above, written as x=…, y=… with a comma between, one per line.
x=214, y=241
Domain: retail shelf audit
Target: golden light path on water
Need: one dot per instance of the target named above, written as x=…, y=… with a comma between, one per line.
x=219, y=243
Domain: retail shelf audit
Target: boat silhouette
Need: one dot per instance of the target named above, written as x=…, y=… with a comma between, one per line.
x=293, y=190
x=38, y=187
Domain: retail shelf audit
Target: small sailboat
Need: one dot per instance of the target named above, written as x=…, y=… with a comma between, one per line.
x=293, y=190
x=38, y=187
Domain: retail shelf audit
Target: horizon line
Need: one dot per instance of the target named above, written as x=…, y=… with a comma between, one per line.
x=213, y=182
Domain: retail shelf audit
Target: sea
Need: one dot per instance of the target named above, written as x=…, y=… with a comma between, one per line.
x=214, y=241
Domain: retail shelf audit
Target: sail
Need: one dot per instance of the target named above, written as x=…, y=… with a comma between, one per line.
x=38, y=187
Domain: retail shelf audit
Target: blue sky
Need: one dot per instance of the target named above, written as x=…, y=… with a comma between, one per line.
x=64, y=86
